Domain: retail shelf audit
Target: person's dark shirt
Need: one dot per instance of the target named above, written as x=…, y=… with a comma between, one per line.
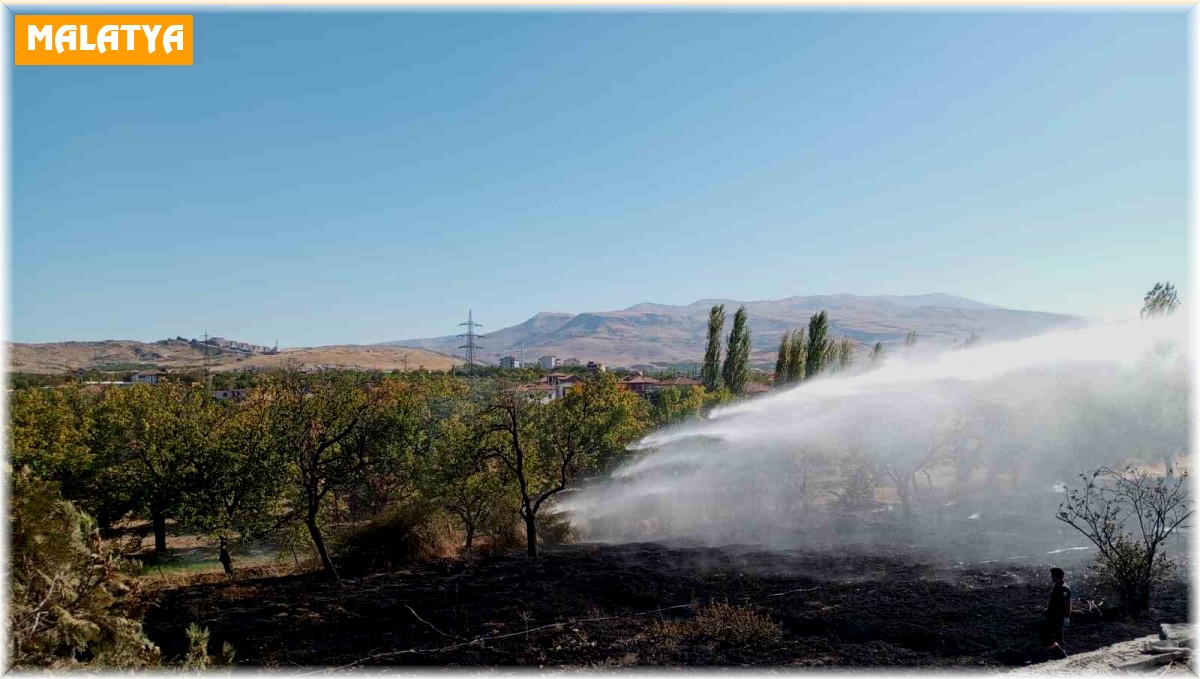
x=1060, y=603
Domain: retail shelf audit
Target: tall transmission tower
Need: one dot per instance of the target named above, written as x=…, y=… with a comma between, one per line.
x=470, y=346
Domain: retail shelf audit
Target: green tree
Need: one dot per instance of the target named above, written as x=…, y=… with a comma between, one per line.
x=781, y=360
x=546, y=447
x=50, y=432
x=845, y=353
x=239, y=475
x=795, y=367
x=710, y=373
x=736, y=369
x=154, y=436
x=877, y=353
x=910, y=339
x=674, y=405
x=469, y=485
x=819, y=345
x=1162, y=300
x=64, y=607
x=332, y=427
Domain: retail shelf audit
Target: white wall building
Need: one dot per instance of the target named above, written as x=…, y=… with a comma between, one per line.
x=510, y=363
x=548, y=362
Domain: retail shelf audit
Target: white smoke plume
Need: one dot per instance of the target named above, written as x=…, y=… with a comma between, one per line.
x=968, y=450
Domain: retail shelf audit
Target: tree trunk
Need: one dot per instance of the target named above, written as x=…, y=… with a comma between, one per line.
x=531, y=534
x=470, y=538
x=160, y=530
x=315, y=532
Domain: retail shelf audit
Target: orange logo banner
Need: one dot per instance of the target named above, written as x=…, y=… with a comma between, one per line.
x=103, y=39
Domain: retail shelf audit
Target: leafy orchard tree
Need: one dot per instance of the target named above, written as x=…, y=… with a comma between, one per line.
x=238, y=476
x=1160, y=301
x=1128, y=515
x=819, y=345
x=332, y=427
x=157, y=435
x=710, y=373
x=737, y=355
x=546, y=446
x=50, y=432
x=675, y=404
x=469, y=485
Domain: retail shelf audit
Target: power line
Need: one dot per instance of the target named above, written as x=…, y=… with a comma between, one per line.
x=470, y=347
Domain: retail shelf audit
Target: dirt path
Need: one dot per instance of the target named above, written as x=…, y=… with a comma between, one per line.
x=845, y=609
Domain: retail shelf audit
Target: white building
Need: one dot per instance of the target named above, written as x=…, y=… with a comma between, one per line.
x=548, y=362
x=149, y=377
x=510, y=363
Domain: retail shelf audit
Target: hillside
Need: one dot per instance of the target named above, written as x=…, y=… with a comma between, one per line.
x=662, y=333
x=60, y=357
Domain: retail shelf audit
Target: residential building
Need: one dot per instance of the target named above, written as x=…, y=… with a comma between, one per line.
x=537, y=391
x=640, y=384
x=548, y=362
x=679, y=382
x=572, y=363
x=594, y=367
x=510, y=363
x=149, y=377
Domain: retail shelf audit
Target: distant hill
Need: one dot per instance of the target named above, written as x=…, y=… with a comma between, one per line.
x=58, y=357
x=660, y=334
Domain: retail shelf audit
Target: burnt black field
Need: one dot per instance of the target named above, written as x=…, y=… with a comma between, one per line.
x=603, y=606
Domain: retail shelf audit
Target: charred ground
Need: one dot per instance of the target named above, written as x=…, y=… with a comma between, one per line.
x=588, y=606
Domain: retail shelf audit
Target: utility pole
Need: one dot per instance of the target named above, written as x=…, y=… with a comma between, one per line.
x=207, y=377
x=470, y=347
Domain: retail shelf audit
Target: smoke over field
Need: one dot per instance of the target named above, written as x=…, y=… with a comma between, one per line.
x=964, y=452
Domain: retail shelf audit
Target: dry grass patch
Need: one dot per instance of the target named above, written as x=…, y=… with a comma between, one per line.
x=723, y=623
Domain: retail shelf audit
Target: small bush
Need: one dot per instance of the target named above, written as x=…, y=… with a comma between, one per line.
x=555, y=529
x=197, y=657
x=726, y=624
x=399, y=536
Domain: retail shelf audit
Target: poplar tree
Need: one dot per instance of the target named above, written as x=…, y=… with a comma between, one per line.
x=911, y=338
x=799, y=356
x=710, y=374
x=877, y=353
x=819, y=345
x=845, y=353
x=737, y=354
x=785, y=355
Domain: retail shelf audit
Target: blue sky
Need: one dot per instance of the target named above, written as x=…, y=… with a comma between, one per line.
x=353, y=178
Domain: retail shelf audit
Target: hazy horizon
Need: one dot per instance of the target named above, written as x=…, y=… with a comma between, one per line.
x=1130, y=310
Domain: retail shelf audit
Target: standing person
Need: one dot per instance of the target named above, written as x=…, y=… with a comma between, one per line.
x=1057, y=613
x=226, y=562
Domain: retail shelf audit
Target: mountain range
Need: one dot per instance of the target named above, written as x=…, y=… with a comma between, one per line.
x=651, y=334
